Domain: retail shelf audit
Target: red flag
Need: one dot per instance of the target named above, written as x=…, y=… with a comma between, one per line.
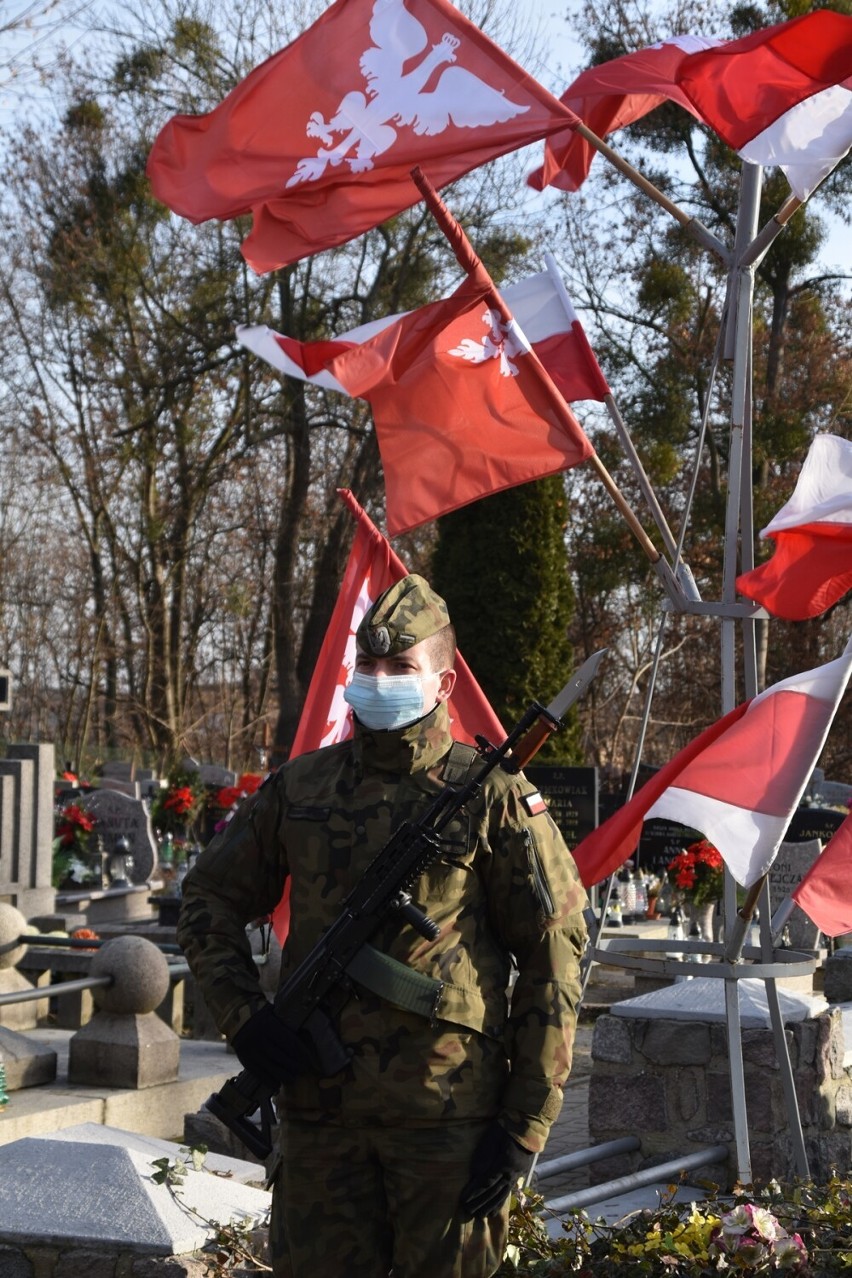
x=825, y=893
x=739, y=782
x=318, y=142
x=811, y=566
x=462, y=407
x=780, y=96
x=541, y=307
x=326, y=718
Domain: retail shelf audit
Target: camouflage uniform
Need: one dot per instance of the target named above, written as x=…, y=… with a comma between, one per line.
x=375, y=1157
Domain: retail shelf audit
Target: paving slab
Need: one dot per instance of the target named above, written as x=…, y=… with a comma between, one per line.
x=703, y=999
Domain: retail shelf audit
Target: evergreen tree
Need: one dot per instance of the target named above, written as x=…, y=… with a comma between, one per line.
x=501, y=565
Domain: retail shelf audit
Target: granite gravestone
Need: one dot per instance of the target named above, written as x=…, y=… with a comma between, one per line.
x=836, y=793
x=216, y=777
x=121, y=777
x=26, y=827
x=121, y=816
x=661, y=840
x=786, y=872
x=814, y=823
x=571, y=795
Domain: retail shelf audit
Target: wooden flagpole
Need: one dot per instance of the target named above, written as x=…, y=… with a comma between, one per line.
x=472, y=265
x=696, y=229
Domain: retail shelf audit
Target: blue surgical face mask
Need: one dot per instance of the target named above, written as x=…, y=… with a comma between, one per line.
x=387, y=703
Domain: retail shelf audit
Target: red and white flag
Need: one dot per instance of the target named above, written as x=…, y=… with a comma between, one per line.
x=462, y=406
x=780, y=96
x=825, y=893
x=608, y=97
x=542, y=308
x=811, y=566
x=739, y=782
x=371, y=569
x=318, y=142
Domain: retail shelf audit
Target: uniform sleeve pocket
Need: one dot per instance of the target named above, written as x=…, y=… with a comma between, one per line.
x=538, y=876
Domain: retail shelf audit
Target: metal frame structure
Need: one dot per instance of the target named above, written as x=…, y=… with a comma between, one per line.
x=730, y=960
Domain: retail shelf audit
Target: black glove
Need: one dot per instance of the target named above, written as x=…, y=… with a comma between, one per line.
x=270, y=1050
x=497, y=1164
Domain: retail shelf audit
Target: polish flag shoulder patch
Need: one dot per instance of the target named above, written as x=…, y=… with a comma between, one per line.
x=534, y=803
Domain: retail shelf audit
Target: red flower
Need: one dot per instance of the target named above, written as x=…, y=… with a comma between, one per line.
x=74, y=822
x=180, y=801
x=85, y=934
x=249, y=782
x=227, y=796
x=698, y=871
x=231, y=794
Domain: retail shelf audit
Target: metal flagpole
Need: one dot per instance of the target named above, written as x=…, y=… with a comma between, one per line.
x=739, y=535
x=738, y=347
x=750, y=246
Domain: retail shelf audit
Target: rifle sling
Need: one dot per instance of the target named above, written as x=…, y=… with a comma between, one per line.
x=396, y=982
x=459, y=763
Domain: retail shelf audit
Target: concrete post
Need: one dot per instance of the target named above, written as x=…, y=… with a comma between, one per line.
x=126, y=1044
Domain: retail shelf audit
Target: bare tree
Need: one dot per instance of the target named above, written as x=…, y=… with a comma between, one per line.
x=124, y=376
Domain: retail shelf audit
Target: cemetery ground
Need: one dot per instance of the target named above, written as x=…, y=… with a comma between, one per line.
x=661, y=1228
x=91, y=1174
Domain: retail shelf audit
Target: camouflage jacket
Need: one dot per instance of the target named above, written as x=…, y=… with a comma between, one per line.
x=504, y=888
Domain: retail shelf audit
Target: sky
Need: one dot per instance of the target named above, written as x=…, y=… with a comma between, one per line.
x=564, y=59
x=567, y=53
x=567, y=59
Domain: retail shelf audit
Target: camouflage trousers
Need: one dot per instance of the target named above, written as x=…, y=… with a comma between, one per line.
x=358, y=1203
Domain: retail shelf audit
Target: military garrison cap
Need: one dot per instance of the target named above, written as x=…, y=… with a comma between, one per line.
x=406, y=613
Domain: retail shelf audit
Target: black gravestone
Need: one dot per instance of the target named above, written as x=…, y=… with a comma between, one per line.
x=660, y=842
x=572, y=797
x=814, y=823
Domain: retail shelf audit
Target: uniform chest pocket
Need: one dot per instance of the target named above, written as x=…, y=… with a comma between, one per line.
x=319, y=842
x=302, y=812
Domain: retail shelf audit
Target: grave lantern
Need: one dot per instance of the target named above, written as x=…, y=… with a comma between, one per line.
x=121, y=863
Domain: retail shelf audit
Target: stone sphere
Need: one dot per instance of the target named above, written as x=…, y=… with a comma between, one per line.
x=12, y=925
x=140, y=974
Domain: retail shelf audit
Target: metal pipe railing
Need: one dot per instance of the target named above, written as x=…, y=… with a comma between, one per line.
x=39, y=940
x=647, y=1176
x=177, y=971
x=584, y=1157
x=64, y=987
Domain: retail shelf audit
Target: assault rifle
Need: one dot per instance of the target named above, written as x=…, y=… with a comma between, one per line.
x=321, y=984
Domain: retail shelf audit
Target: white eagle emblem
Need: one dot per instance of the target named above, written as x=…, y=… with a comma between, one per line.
x=368, y=122
x=502, y=341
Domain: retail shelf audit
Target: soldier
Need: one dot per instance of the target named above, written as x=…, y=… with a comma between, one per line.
x=404, y=1161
